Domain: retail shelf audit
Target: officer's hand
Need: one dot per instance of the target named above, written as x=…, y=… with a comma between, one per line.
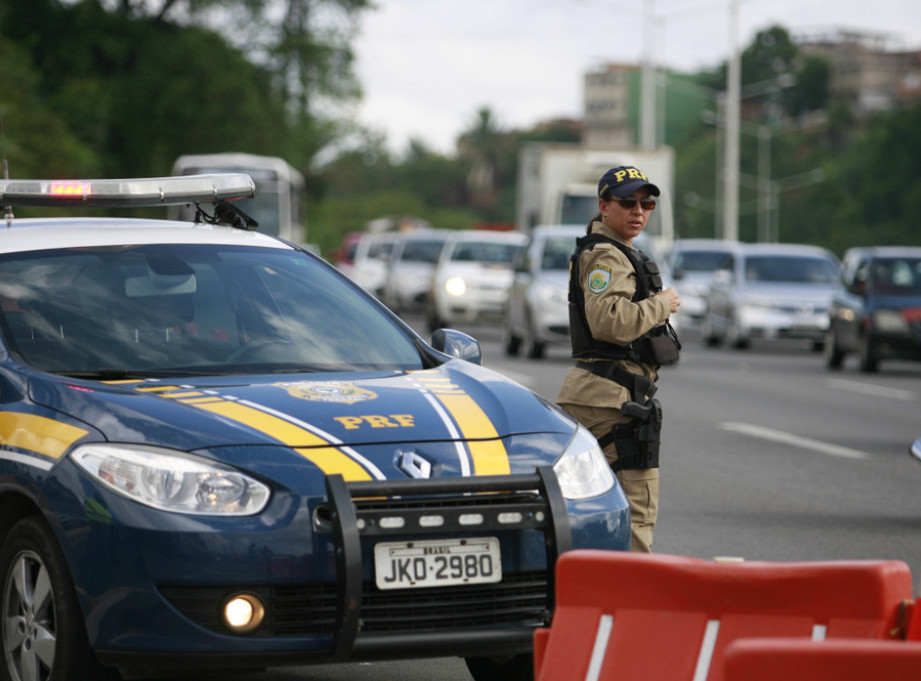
x=672, y=298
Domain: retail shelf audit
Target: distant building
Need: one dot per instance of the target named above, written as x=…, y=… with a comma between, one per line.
x=869, y=71
x=607, y=106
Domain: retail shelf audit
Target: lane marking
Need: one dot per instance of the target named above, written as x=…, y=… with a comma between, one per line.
x=792, y=440
x=874, y=390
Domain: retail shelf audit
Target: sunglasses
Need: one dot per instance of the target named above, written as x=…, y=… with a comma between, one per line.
x=630, y=202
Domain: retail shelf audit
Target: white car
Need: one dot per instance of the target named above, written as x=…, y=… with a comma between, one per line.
x=471, y=280
x=771, y=291
x=692, y=263
x=537, y=313
x=371, y=260
x=409, y=273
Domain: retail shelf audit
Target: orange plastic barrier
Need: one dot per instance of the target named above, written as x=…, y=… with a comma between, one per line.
x=631, y=616
x=913, y=620
x=832, y=660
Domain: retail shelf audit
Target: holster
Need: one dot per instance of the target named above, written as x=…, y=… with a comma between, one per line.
x=637, y=442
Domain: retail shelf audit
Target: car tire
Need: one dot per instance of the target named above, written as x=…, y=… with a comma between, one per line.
x=511, y=668
x=834, y=357
x=510, y=342
x=43, y=633
x=536, y=348
x=869, y=361
x=709, y=337
x=735, y=338
x=433, y=321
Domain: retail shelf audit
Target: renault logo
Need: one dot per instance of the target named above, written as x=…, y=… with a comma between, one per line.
x=414, y=465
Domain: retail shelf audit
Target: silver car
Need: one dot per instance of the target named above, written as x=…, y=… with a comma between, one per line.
x=771, y=291
x=411, y=264
x=693, y=263
x=538, y=302
x=472, y=277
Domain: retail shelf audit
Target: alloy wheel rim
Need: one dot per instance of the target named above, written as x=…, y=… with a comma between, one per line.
x=28, y=619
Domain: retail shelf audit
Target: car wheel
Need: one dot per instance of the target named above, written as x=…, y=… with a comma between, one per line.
x=434, y=321
x=510, y=342
x=869, y=362
x=43, y=634
x=536, y=348
x=834, y=357
x=735, y=337
x=710, y=338
x=511, y=668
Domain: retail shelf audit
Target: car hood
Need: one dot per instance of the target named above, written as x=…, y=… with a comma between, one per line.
x=461, y=415
x=790, y=293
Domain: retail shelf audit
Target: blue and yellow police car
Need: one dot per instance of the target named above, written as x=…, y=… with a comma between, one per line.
x=216, y=452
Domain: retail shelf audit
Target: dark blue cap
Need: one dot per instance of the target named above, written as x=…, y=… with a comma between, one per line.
x=622, y=181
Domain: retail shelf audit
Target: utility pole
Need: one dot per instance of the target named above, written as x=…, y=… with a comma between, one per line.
x=647, y=83
x=733, y=115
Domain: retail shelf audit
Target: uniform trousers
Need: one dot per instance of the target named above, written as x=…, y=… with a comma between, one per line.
x=641, y=486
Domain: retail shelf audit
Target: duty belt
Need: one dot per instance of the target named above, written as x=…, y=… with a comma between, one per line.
x=639, y=386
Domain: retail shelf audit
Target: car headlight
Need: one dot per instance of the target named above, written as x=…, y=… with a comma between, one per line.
x=172, y=481
x=582, y=470
x=456, y=286
x=890, y=321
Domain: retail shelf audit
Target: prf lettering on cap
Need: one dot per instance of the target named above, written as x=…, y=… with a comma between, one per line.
x=632, y=173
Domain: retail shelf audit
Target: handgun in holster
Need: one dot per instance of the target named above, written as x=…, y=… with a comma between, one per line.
x=637, y=441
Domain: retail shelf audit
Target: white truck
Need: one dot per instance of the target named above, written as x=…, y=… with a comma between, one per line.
x=558, y=184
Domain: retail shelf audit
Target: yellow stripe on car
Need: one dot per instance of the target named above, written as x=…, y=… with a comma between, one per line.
x=38, y=434
x=486, y=448
x=327, y=458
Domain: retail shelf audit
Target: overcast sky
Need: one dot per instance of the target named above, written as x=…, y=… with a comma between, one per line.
x=427, y=66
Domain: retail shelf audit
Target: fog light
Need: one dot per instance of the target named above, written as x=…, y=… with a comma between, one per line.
x=243, y=612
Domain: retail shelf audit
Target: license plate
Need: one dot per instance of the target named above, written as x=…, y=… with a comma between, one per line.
x=437, y=562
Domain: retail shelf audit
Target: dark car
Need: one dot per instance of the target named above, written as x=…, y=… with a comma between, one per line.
x=877, y=311
x=218, y=452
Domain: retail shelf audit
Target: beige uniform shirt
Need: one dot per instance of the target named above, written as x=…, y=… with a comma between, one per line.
x=609, y=284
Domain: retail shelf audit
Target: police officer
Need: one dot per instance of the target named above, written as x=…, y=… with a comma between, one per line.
x=620, y=337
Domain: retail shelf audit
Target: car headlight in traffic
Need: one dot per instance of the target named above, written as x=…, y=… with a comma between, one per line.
x=582, y=470
x=172, y=481
x=890, y=321
x=456, y=286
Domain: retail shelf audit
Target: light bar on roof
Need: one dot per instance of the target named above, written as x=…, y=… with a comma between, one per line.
x=153, y=191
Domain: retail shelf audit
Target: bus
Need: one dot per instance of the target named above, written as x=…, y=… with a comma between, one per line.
x=279, y=188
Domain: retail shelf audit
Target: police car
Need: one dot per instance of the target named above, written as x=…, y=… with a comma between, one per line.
x=218, y=452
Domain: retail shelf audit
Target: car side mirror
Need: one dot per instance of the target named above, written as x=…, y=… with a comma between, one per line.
x=457, y=344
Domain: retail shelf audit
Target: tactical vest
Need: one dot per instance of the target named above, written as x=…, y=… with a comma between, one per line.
x=657, y=346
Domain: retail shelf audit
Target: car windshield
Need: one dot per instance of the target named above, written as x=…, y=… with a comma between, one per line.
x=191, y=309
x=897, y=276
x=418, y=250
x=482, y=251
x=556, y=253
x=700, y=261
x=790, y=269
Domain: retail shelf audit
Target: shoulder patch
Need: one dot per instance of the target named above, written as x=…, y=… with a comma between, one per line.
x=599, y=278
